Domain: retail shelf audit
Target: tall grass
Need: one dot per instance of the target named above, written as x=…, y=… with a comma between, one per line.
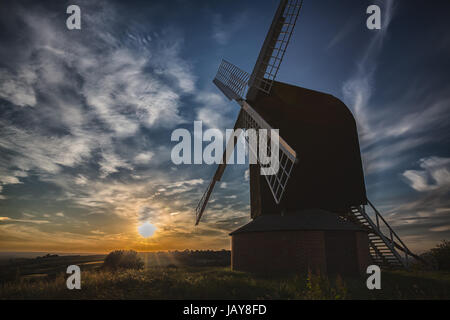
x=221, y=283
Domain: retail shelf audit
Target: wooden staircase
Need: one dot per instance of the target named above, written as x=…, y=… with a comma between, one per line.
x=387, y=250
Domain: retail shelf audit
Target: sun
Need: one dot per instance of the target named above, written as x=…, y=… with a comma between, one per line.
x=146, y=229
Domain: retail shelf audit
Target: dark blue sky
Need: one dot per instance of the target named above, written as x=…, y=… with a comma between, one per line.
x=86, y=116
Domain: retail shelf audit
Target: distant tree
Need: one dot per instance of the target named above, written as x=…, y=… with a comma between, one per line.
x=123, y=259
x=441, y=254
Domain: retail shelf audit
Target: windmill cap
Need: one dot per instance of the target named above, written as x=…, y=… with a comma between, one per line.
x=310, y=220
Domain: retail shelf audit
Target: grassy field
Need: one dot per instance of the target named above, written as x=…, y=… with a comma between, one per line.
x=199, y=275
x=221, y=283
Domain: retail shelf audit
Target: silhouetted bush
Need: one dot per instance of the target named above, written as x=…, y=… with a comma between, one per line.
x=441, y=254
x=123, y=259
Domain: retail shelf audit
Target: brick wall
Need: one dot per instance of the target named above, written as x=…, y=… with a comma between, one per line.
x=362, y=249
x=290, y=251
x=278, y=251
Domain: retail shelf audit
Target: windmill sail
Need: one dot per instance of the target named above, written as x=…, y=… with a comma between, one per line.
x=249, y=119
x=234, y=83
x=218, y=175
x=287, y=156
x=231, y=80
x=275, y=45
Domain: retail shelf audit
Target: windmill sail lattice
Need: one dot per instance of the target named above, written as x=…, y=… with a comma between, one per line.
x=232, y=81
x=287, y=156
x=217, y=175
x=275, y=45
x=249, y=119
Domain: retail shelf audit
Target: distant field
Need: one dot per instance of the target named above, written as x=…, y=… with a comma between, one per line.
x=31, y=266
x=6, y=257
x=17, y=269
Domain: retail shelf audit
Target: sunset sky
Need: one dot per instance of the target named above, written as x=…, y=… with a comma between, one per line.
x=86, y=115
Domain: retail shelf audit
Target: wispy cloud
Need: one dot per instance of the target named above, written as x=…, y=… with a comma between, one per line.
x=435, y=175
x=423, y=218
x=391, y=134
x=10, y=220
x=18, y=88
x=103, y=100
x=343, y=33
x=89, y=97
x=387, y=136
x=224, y=29
x=359, y=88
x=110, y=163
x=214, y=111
x=144, y=157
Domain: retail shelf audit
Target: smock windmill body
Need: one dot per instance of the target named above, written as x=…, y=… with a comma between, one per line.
x=310, y=214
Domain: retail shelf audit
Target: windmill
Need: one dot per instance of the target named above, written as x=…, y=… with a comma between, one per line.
x=313, y=213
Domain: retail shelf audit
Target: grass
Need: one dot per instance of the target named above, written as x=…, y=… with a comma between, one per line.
x=222, y=283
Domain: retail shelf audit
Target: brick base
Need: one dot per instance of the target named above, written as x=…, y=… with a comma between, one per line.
x=343, y=252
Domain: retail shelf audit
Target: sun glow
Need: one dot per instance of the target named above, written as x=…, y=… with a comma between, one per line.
x=146, y=229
